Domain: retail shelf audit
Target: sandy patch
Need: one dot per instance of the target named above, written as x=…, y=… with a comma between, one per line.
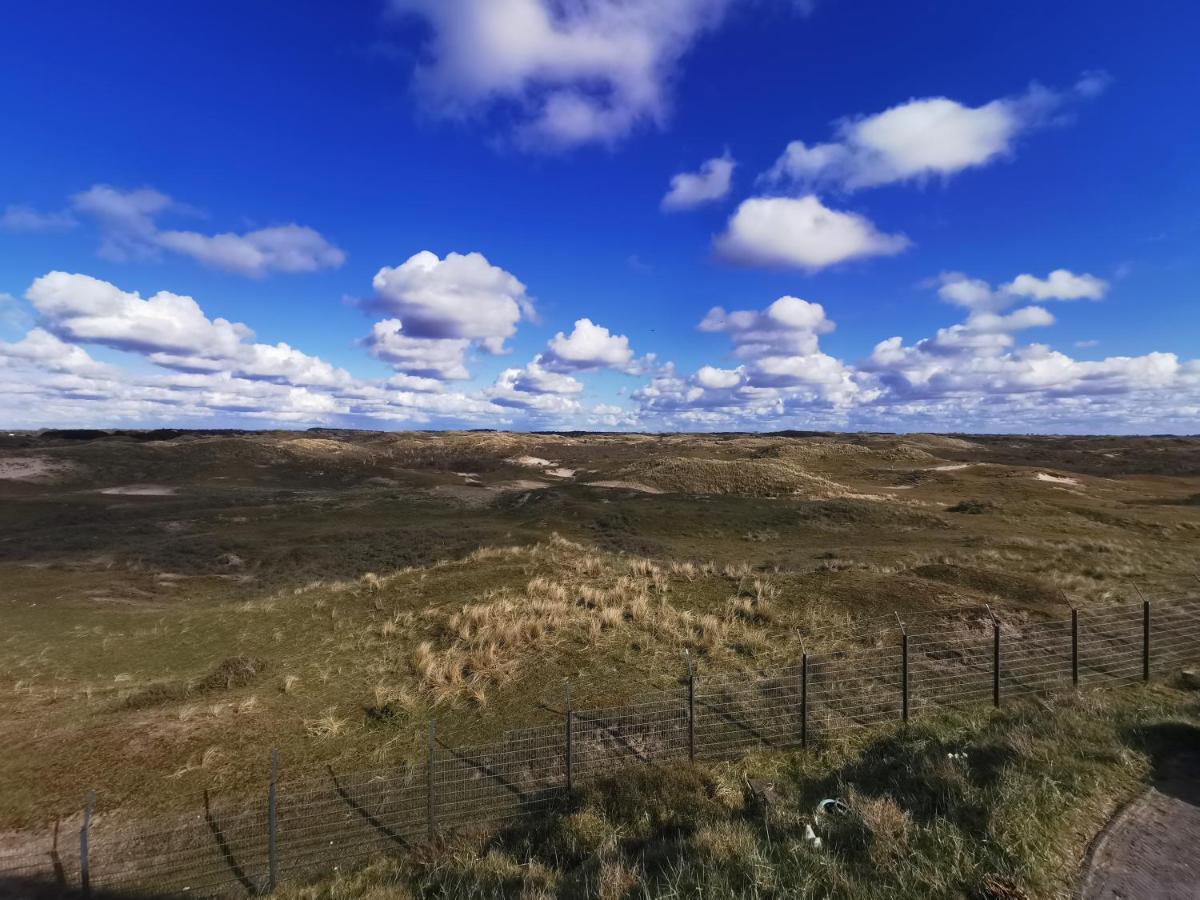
x=531, y=462
x=560, y=472
x=30, y=468
x=1056, y=479
x=521, y=484
x=625, y=486
x=139, y=490
x=953, y=467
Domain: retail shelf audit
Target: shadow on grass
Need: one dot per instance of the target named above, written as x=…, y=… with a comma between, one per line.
x=384, y=830
x=1174, y=750
x=231, y=862
x=926, y=774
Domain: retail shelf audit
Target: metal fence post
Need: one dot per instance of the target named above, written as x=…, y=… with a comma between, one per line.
x=1145, y=640
x=429, y=786
x=570, y=742
x=272, y=847
x=85, y=873
x=904, y=674
x=804, y=700
x=995, y=662
x=691, y=710
x=1074, y=646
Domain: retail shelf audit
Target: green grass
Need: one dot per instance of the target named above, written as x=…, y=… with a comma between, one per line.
x=951, y=807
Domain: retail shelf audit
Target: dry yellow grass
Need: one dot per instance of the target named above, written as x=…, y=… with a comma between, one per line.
x=500, y=633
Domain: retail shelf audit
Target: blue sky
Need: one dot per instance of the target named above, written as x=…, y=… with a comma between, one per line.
x=459, y=213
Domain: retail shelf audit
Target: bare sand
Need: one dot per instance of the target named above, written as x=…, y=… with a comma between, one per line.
x=531, y=462
x=139, y=490
x=30, y=468
x=625, y=486
x=1056, y=479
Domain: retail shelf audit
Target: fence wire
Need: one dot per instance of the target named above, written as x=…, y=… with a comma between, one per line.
x=935, y=660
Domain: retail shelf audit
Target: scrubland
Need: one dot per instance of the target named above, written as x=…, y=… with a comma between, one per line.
x=177, y=605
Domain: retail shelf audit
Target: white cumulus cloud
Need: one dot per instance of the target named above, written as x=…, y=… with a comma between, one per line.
x=976, y=294
x=170, y=330
x=435, y=358
x=588, y=346
x=535, y=388
x=1061, y=284
x=801, y=233
x=462, y=296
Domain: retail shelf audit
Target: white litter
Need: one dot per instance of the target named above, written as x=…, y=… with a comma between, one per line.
x=811, y=837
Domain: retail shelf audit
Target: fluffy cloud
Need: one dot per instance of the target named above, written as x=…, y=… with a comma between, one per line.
x=462, y=296
x=282, y=248
x=129, y=230
x=588, y=346
x=1061, y=284
x=440, y=308
x=563, y=73
x=979, y=356
x=51, y=353
x=82, y=308
x=712, y=378
x=546, y=384
x=780, y=347
x=213, y=371
x=801, y=233
x=691, y=189
x=25, y=218
x=979, y=296
x=535, y=378
x=788, y=326
x=170, y=330
x=969, y=375
x=536, y=389
x=990, y=372
x=782, y=370
x=922, y=138
x=433, y=358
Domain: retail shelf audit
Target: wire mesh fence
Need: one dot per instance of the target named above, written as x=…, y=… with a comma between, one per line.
x=900, y=670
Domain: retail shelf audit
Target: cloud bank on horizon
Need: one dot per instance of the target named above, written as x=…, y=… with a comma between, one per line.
x=454, y=335
x=776, y=372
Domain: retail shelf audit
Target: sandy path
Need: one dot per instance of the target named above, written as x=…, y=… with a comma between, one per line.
x=139, y=490
x=1151, y=849
x=625, y=486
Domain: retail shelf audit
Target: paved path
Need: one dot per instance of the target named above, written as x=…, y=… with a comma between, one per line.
x=1151, y=850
